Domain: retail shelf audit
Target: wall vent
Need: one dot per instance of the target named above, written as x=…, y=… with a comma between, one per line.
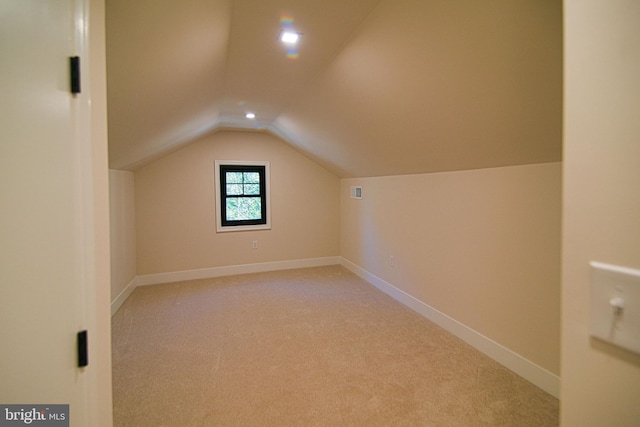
x=356, y=192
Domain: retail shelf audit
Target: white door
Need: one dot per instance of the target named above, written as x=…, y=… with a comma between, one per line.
x=42, y=211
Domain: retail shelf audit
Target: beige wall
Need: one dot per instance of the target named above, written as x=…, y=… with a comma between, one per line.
x=481, y=246
x=123, y=230
x=601, y=220
x=175, y=207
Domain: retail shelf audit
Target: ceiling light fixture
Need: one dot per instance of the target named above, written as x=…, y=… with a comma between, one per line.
x=289, y=37
x=250, y=115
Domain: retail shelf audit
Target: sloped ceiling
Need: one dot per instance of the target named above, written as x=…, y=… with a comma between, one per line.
x=377, y=87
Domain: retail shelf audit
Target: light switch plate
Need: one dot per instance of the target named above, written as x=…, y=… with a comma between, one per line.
x=615, y=305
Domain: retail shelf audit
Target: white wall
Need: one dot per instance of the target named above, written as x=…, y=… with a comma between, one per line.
x=601, y=220
x=123, y=234
x=479, y=246
x=176, y=216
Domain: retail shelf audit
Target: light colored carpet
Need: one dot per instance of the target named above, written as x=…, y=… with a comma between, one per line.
x=307, y=347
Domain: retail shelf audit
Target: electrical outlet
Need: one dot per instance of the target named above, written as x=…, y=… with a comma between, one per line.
x=254, y=244
x=392, y=261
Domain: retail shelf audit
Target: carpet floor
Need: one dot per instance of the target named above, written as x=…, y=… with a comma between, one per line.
x=307, y=347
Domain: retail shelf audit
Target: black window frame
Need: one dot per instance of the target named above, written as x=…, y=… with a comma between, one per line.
x=262, y=172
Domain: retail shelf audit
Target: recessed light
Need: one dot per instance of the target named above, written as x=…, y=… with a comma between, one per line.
x=289, y=37
x=250, y=115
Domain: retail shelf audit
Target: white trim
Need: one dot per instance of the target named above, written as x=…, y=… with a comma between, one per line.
x=206, y=273
x=122, y=297
x=615, y=269
x=537, y=375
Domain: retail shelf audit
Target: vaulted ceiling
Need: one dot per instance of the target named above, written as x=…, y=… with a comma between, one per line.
x=376, y=87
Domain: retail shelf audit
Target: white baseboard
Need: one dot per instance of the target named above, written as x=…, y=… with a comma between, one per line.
x=206, y=273
x=535, y=374
x=122, y=297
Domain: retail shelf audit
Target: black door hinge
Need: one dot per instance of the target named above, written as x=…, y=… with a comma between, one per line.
x=74, y=70
x=83, y=349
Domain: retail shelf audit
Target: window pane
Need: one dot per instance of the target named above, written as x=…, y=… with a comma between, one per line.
x=232, y=208
x=234, y=189
x=234, y=177
x=252, y=189
x=250, y=208
x=243, y=208
x=251, y=177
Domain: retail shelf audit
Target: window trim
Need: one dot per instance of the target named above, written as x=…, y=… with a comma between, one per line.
x=220, y=227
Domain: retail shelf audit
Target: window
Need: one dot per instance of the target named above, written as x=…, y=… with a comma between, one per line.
x=242, y=195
